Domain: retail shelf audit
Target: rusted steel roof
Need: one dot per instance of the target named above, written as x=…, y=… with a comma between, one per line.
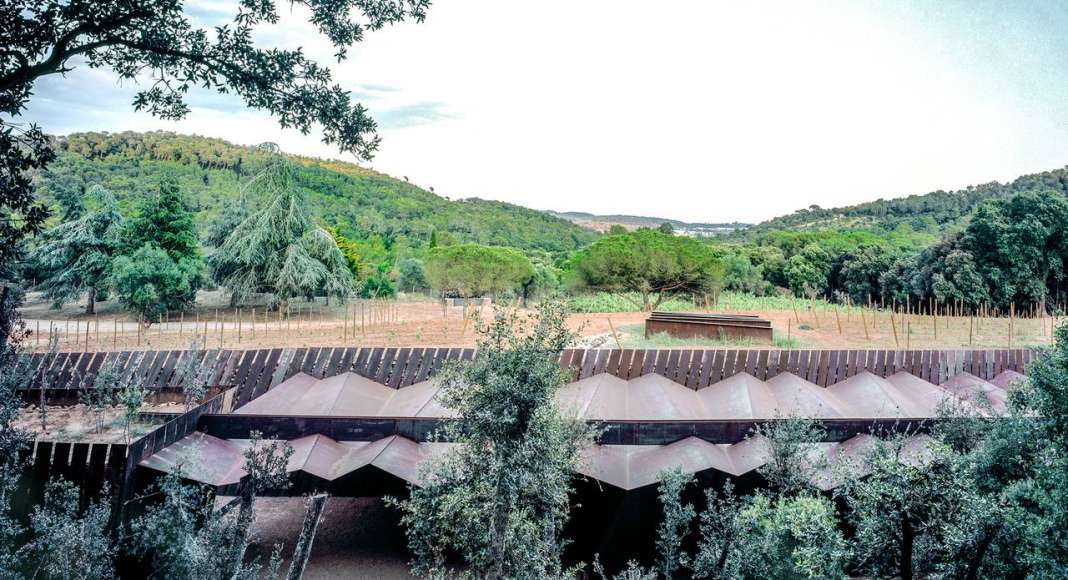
x=982, y=393
x=220, y=462
x=347, y=395
x=630, y=467
x=202, y=458
x=652, y=397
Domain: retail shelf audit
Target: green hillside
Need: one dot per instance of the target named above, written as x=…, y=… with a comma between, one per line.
x=359, y=201
x=931, y=212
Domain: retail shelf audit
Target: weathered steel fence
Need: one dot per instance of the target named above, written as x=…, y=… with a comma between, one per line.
x=254, y=371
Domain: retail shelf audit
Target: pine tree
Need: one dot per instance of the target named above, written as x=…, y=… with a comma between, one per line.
x=165, y=220
x=279, y=250
x=77, y=255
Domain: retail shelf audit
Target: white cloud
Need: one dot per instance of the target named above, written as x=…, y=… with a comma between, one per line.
x=702, y=111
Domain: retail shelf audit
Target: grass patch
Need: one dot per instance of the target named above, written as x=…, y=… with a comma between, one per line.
x=733, y=301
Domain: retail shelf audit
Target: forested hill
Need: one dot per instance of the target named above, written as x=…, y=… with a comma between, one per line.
x=929, y=212
x=359, y=201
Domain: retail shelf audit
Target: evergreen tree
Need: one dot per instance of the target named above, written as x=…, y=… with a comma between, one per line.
x=163, y=271
x=470, y=270
x=278, y=249
x=150, y=282
x=165, y=220
x=77, y=256
x=650, y=263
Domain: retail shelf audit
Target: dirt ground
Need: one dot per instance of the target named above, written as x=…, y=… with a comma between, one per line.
x=418, y=321
x=358, y=538
x=79, y=423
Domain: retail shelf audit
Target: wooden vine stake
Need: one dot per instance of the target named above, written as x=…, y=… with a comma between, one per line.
x=837, y=319
x=1012, y=316
x=893, y=325
x=614, y=335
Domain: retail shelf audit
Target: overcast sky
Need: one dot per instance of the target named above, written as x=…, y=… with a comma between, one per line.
x=700, y=111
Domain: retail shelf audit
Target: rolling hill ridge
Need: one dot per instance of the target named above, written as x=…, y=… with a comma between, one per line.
x=357, y=200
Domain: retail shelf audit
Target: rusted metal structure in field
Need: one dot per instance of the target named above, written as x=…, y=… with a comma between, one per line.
x=711, y=326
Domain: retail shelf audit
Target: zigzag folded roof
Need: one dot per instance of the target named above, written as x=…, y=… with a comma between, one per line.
x=345, y=395
x=220, y=462
x=983, y=394
x=652, y=397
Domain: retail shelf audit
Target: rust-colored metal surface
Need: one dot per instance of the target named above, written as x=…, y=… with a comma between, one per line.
x=695, y=410
x=714, y=326
x=255, y=372
x=655, y=398
x=220, y=463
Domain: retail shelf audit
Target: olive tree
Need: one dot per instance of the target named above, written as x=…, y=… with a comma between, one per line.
x=500, y=498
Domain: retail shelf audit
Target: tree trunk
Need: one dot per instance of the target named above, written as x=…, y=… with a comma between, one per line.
x=90, y=304
x=244, y=524
x=980, y=553
x=307, y=536
x=498, y=541
x=906, y=547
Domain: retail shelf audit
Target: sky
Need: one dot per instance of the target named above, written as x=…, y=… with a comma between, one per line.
x=704, y=111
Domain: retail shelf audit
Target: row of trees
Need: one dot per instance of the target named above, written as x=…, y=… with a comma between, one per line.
x=151, y=262
x=1011, y=252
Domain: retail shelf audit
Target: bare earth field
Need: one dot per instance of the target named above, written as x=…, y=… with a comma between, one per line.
x=422, y=322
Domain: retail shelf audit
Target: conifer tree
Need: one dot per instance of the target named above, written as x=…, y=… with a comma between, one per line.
x=278, y=249
x=77, y=255
x=163, y=271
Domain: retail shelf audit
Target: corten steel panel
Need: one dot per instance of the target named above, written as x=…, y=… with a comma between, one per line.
x=1008, y=379
x=258, y=370
x=714, y=331
x=348, y=395
x=868, y=395
x=804, y=398
x=739, y=397
x=220, y=462
x=983, y=393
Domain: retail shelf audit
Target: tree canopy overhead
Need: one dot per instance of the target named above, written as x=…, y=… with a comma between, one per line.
x=157, y=38
x=136, y=39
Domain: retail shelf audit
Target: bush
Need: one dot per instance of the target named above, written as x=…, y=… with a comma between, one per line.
x=150, y=282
